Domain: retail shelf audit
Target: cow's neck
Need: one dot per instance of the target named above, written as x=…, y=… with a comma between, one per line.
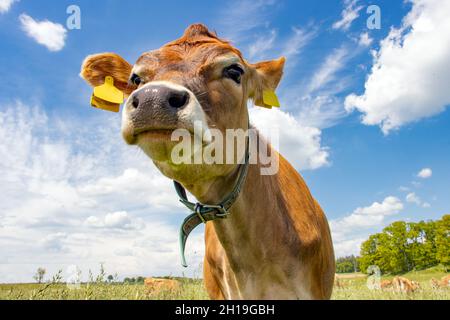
x=257, y=214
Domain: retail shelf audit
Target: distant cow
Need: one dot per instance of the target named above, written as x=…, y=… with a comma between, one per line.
x=402, y=284
x=338, y=283
x=443, y=283
x=385, y=284
x=155, y=285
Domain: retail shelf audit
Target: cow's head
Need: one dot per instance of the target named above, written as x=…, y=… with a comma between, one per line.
x=198, y=78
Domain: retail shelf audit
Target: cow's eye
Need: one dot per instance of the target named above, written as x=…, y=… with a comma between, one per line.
x=234, y=72
x=135, y=79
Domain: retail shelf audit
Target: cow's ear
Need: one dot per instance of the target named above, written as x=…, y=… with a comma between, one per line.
x=265, y=75
x=98, y=66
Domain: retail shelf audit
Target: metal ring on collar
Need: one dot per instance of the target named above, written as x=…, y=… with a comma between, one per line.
x=198, y=208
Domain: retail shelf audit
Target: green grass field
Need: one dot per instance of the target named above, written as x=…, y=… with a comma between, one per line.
x=353, y=288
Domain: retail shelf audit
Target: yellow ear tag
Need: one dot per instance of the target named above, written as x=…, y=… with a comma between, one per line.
x=107, y=96
x=270, y=99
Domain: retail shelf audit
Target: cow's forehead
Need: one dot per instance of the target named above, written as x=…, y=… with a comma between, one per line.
x=197, y=46
x=196, y=55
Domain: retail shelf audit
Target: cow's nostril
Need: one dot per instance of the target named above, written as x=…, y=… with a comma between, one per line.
x=135, y=102
x=178, y=99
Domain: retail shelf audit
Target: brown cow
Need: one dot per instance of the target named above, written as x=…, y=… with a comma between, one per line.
x=275, y=243
x=385, y=284
x=338, y=282
x=402, y=284
x=435, y=284
x=443, y=283
x=155, y=285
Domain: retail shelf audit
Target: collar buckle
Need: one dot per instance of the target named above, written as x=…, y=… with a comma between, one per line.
x=222, y=211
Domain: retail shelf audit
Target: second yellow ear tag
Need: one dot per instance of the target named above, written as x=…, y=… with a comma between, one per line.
x=107, y=96
x=270, y=99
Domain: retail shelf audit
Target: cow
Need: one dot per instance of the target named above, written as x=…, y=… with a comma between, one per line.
x=442, y=283
x=445, y=281
x=274, y=241
x=402, y=284
x=385, y=284
x=338, y=282
x=155, y=285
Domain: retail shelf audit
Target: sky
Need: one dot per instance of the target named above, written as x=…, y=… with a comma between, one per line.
x=364, y=119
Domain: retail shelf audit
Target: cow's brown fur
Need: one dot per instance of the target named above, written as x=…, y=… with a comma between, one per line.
x=156, y=286
x=276, y=243
x=442, y=283
x=386, y=284
x=402, y=284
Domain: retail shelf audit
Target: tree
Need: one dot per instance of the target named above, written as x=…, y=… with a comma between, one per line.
x=110, y=278
x=347, y=264
x=422, y=244
x=129, y=280
x=39, y=276
x=395, y=248
x=402, y=246
x=443, y=241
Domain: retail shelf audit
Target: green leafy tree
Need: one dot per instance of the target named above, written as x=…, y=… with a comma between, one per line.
x=347, y=264
x=402, y=246
x=443, y=241
x=422, y=244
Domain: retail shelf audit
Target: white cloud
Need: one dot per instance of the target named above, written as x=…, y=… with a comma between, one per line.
x=348, y=15
x=350, y=231
x=327, y=71
x=364, y=39
x=124, y=252
x=390, y=205
x=268, y=45
x=55, y=242
x=301, y=145
x=349, y=247
x=250, y=15
x=413, y=198
x=316, y=100
x=410, y=74
x=425, y=173
x=261, y=45
x=296, y=42
x=5, y=5
x=75, y=185
x=49, y=34
x=115, y=220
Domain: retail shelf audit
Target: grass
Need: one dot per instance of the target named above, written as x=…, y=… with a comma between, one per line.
x=191, y=289
x=354, y=288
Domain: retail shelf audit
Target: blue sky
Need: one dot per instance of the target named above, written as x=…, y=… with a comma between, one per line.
x=363, y=112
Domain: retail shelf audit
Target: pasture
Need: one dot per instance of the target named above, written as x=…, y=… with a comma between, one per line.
x=352, y=287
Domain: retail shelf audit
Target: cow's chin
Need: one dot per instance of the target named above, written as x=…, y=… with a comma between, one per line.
x=195, y=177
x=157, y=145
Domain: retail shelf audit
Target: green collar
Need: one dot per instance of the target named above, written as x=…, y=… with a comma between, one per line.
x=205, y=212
